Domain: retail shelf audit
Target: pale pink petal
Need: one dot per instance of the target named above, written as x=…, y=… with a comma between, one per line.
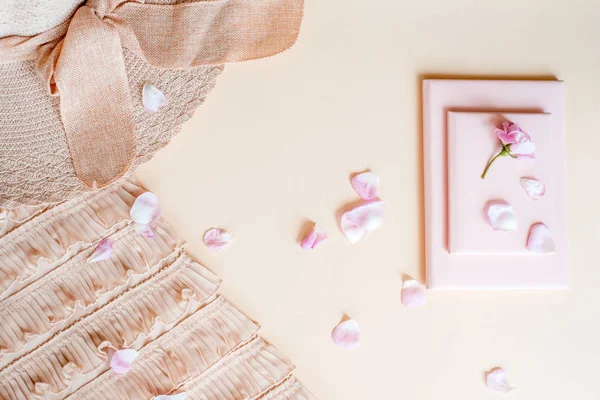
x=178, y=396
x=540, y=240
x=534, y=188
x=503, y=135
x=502, y=217
x=122, y=360
x=413, y=294
x=145, y=209
x=524, y=149
x=362, y=219
x=102, y=251
x=497, y=381
x=152, y=98
x=347, y=335
x=314, y=238
x=217, y=239
x=144, y=230
x=366, y=185
x=520, y=136
x=513, y=128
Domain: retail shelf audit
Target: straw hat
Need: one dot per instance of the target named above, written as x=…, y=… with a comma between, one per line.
x=72, y=118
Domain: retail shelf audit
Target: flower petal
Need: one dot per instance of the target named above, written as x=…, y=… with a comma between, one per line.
x=523, y=149
x=217, y=239
x=413, y=294
x=122, y=360
x=102, y=252
x=366, y=185
x=362, y=219
x=347, y=335
x=178, y=396
x=504, y=137
x=145, y=230
x=497, y=381
x=534, y=188
x=540, y=240
x=520, y=135
x=502, y=217
x=314, y=238
x=512, y=128
x=145, y=209
x=152, y=98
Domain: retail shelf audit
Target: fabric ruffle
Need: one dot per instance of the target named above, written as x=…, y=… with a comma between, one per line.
x=48, y=239
x=244, y=374
x=76, y=288
x=181, y=354
x=11, y=218
x=78, y=354
x=290, y=389
x=62, y=318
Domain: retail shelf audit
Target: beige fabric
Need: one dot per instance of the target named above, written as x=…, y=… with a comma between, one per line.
x=30, y=17
x=82, y=61
x=60, y=330
x=35, y=163
x=290, y=389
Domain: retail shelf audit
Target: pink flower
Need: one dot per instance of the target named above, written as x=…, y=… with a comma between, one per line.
x=516, y=143
x=516, y=140
x=509, y=133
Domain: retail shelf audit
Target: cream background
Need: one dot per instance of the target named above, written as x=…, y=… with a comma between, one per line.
x=275, y=144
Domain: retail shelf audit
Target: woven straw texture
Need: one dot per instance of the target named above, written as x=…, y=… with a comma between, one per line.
x=37, y=168
x=95, y=63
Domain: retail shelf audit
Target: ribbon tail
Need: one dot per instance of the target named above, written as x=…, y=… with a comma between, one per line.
x=95, y=102
x=209, y=32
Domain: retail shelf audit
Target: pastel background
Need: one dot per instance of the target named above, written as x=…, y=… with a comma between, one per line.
x=276, y=142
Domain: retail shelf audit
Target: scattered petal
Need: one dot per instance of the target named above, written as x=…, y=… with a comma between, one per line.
x=502, y=217
x=540, y=240
x=347, y=335
x=496, y=380
x=178, y=396
x=144, y=230
x=366, y=185
x=534, y=188
x=217, y=239
x=102, y=252
x=145, y=209
x=362, y=219
x=413, y=294
x=122, y=360
x=152, y=98
x=314, y=238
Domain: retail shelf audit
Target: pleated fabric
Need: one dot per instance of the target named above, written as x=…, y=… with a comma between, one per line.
x=63, y=317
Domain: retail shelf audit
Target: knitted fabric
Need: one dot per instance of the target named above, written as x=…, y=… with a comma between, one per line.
x=37, y=168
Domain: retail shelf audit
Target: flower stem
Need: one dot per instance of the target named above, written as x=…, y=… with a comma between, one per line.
x=502, y=153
